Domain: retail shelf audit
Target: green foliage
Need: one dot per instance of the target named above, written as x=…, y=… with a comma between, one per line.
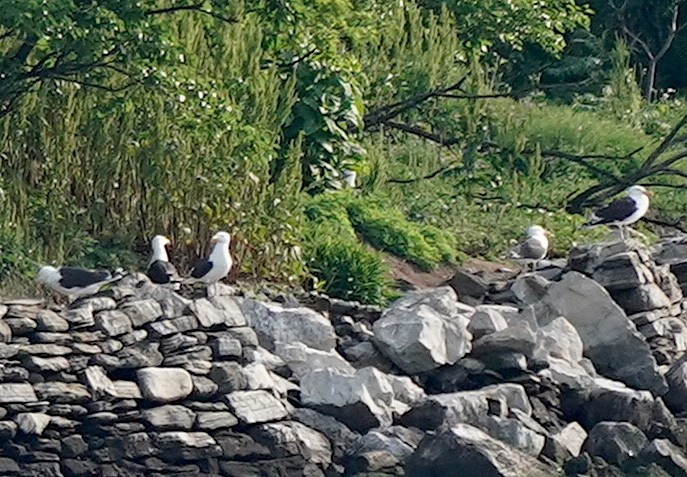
x=388, y=230
x=348, y=269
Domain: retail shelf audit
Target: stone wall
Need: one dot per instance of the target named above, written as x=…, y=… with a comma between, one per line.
x=580, y=368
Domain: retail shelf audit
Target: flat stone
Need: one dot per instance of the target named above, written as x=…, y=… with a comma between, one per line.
x=572, y=438
x=485, y=322
x=58, y=392
x=253, y=407
x=35, y=363
x=85, y=348
x=32, y=422
x=226, y=347
x=173, y=305
x=258, y=376
x=666, y=455
x=676, y=397
x=293, y=438
x=20, y=326
x=48, y=320
x=126, y=390
x=166, y=327
x=140, y=355
x=164, y=384
x=203, y=387
x=228, y=376
x=169, y=417
x=208, y=315
x=302, y=359
x=79, y=318
x=213, y=420
x=141, y=312
x=17, y=393
x=113, y=322
x=8, y=350
x=45, y=349
x=246, y=335
x=233, y=316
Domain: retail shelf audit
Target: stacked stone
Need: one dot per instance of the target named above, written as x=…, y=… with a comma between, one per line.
x=146, y=382
x=649, y=293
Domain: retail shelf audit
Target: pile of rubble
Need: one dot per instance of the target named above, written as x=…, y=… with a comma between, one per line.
x=579, y=369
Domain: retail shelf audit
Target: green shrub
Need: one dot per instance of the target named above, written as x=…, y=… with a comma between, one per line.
x=348, y=269
x=388, y=230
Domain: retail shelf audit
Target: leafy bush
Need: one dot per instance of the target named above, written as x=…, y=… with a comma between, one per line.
x=348, y=269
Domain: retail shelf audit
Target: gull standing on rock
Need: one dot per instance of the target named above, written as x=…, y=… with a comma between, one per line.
x=216, y=266
x=624, y=211
x=533, y=248
x=160, y=270
x=76, y=282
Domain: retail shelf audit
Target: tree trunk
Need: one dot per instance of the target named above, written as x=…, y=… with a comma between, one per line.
x=650, y=79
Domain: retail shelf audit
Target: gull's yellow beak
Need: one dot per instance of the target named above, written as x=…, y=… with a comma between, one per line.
x=650, y=193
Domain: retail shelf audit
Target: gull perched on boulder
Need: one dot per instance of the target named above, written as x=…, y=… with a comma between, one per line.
x=160, y=270
x=75, y=282
x=217, y=265
x=533, y=248
x=623, y=211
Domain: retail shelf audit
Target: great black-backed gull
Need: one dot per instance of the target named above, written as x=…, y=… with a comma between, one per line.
x=76, y=282
x=624, y=211
x=533, y=248
x=217, y=265
x=160, y=270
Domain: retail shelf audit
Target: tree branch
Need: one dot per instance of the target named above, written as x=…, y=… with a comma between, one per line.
x=431, y=175
x=665, y=144
x=198, y=7
x=416, y=131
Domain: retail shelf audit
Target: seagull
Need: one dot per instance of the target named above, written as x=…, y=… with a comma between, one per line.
x=76, y=282
x=533, y=248
x=217, y=265
x=624, y=211
x=160, y=270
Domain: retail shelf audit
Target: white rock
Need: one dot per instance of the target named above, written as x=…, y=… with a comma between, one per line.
x=164, y=384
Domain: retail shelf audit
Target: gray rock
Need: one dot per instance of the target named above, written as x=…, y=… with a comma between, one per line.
x=173, y=305
x=62, y=392
x=226, y=347
x=253, y=407
x=48, y=320
x=642, y=298
x=20, y=326
x=676, y=397
x=164, y=384
x=203, y=387
x=8, y=429
x=606, y=400
x=340, y=436
x=32, y=422
x=187, y=445
x=559, y=340
x=5, y=332
x=169, y=417
x=261, y=356
x=246, y=335
x=467, y=407
x=166, y=327
x=514, y=339
x=113, y=322
x=485, y=322
x=293, y=438
x=666, y=455
x=603, y=325
x=45, y=349
x=472, y=451
x=571, y=437
x=467, y=285
x=516, y=434
x=360, y=401
x=97, y=304
x=141, y=312
x=126, y=390
x=302, y=359
x=420, y=338
x=383, y=450
x=213, y=420
x=35, y=363
x=233, y=316
x=228, y=376
x=258, y=376
x=140, y=355
x=288, y=325
x=79, y=318
x=614, y=442
x=530, y=288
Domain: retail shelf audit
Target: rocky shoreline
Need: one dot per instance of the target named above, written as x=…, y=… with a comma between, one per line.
x=579, y=369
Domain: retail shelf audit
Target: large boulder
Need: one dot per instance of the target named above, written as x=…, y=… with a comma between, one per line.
x=615, y=442
x=466, y=450
x=666, y=455
x=302, y=359
x=424, y=330
x=676, y=397
x=276, y=323
x=383, y=450
x=361, y=401
x=610, y=339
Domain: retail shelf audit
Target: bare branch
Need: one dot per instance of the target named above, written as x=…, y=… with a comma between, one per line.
x=665, y=144
x=416, y=131
x=298, y=59
x=442, y=170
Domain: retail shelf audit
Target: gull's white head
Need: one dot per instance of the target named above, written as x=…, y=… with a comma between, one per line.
x=536, y=231
x=637, y=191
x=160, y=241
x=48, y=275
x=221, y=237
